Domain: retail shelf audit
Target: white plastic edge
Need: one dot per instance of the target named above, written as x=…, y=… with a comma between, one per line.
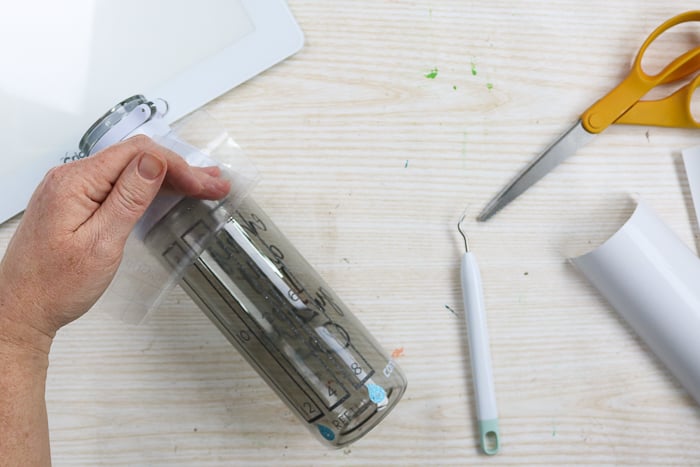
x=275, y=37
x=691, y=160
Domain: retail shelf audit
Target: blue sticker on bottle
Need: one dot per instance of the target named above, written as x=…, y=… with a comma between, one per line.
x=326, y=432
x=377, y=394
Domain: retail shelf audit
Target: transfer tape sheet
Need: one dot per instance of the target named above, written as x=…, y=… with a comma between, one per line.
x=143, y=280
x=652, y=279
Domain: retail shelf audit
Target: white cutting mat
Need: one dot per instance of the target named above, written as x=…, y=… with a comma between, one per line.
x=64, y=64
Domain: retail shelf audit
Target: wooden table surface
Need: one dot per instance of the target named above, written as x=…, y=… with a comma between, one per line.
x=367, y=164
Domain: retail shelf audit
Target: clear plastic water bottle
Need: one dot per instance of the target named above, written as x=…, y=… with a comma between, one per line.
x=267, y=300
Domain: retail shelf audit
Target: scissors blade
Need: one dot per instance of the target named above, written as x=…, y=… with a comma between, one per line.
x=566, y=145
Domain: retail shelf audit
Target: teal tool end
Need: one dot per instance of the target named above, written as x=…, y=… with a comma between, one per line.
x=490, y=442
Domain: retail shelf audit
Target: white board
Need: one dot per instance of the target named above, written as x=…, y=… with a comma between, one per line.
x=65, y=63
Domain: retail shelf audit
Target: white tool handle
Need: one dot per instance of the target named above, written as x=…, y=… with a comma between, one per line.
x=482, y=375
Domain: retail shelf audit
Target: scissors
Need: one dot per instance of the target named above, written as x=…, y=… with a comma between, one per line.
x=621, y=105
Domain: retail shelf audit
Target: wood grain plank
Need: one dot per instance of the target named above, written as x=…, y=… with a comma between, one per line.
x=367, y=165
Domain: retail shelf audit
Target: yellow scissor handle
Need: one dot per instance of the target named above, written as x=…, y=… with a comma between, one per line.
x=672, y=111
x=625, y=98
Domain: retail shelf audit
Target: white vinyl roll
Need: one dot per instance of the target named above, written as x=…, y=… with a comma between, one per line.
x=652, y=279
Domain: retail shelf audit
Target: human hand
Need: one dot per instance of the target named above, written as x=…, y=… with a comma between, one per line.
x=70, y=241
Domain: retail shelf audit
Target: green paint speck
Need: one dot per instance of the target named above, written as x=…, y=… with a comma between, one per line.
x=405, y=166
x=454, y=87
x=432, y=74
x=474, y=72
x=489, y=86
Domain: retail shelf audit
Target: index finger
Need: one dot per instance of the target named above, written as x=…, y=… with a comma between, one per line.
x=107, y=165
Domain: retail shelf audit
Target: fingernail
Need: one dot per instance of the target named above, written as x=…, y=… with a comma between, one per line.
x=219, y=186
x=150, y=167
x=223, y=185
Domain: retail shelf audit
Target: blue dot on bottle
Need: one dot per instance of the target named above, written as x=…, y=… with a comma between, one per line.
x=377, y=394
x=326, y=432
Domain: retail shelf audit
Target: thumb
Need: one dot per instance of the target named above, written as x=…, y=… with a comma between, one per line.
x=131, y=195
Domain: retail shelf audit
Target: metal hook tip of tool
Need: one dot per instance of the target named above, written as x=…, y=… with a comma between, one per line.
x=464, y=236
